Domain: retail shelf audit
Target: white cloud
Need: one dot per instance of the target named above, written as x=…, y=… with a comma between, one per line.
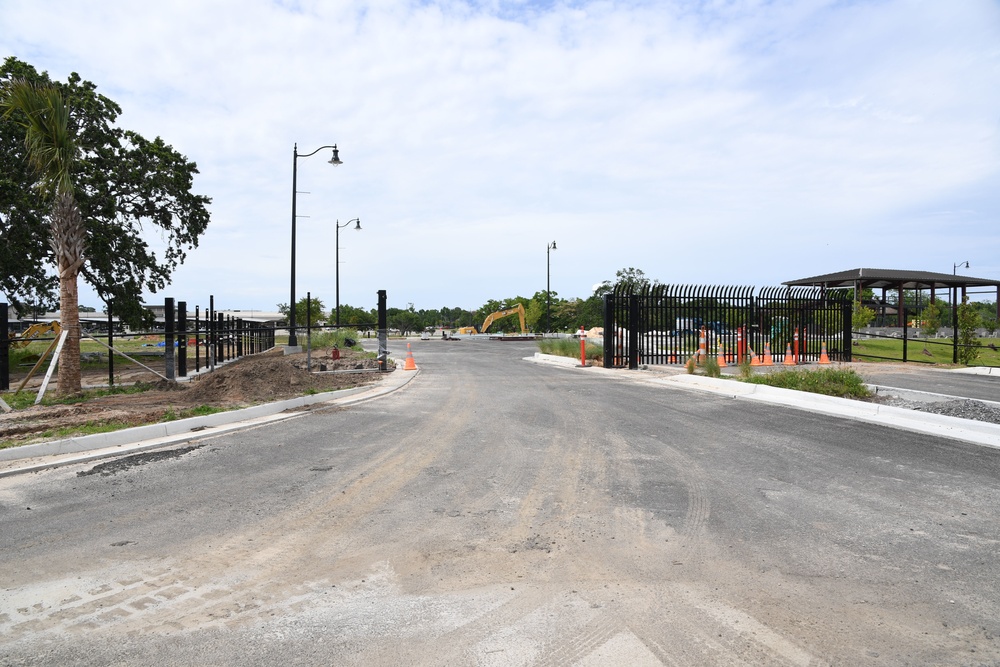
x=747, y=142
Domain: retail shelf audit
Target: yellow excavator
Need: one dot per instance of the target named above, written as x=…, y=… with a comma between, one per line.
x=33, y=332
x=519, y=309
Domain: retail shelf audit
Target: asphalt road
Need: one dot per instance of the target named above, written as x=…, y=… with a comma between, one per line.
x=501, y=512
x=913, y=376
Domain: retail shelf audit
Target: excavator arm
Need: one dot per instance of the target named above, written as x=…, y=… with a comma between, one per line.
x=519, y=309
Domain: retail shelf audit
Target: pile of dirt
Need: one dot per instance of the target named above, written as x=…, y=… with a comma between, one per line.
x=274, y=376
x=249, y=381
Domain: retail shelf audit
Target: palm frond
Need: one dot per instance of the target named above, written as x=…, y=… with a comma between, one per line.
x=45, y=117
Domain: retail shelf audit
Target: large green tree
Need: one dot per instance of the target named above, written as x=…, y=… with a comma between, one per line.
x=307, y=309
x=129, y=191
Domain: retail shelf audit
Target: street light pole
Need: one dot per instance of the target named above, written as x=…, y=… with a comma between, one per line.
x=293, y=341
x=337, y=258
x=548, y=288
x=954, y=268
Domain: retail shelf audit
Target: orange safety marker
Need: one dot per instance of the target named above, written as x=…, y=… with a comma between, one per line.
x=721, y=355
x=823, y=358
x=702, y=348
x=754, y=359
x=789, y=360
x=410, y=365
x=768, y=359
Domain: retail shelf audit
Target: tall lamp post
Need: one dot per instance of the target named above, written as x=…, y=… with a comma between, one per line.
x=337, y=258
x=293, y=341
x=548, y=289
x=954, y=268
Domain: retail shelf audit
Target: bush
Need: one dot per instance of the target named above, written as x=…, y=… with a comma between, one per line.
x=343, y=339
x=968, y=342
x=827, y=381
x=570, y=347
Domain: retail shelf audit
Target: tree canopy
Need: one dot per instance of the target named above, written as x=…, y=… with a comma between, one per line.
x=125, y=186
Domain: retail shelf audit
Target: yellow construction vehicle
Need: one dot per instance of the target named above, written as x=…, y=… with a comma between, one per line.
x=519, y=309
x=35, y=331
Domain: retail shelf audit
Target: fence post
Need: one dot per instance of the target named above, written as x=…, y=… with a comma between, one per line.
x=902, y=318
x=197, y=339
x=846, y=311
x=954, y=326
x=182, y=341
x=633, y=332
x=609, y=331
x=383, y=334
x=220, y=337
x=168, y=337
x=111, y=344
x=210, y=334
x=5, y=349
x=240, y=332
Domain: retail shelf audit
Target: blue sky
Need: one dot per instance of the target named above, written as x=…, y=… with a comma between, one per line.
x=737, y=142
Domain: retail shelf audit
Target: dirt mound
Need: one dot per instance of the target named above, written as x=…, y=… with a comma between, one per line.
x=252, y=380
x=274, y=376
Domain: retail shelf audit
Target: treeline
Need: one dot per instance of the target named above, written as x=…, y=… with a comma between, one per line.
x=543, y=312
x=540, y=315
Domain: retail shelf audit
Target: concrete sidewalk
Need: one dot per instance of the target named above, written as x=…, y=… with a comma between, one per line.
x=976, y=432
x=43, y=455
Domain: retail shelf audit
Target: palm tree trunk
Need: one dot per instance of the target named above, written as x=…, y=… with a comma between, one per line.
x=68, y=241
x=68, y=372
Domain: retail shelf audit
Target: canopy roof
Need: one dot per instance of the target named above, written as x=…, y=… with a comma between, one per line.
x=892, y=278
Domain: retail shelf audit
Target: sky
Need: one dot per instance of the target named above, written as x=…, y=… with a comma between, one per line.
x=737, y=142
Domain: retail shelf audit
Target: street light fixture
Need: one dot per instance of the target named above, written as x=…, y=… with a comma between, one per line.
x=293, y=341
x=954, y=268
x=337, y=258
x=548, y=288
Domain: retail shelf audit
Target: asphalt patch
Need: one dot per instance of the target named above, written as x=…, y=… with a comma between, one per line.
x=134, y=461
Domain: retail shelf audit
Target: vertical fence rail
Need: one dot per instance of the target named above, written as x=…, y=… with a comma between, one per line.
x=670, y=324
x=5, y=349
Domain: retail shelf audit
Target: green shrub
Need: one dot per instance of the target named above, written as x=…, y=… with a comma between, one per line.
x=337, y=338
x=826, y=381
x=570, y=347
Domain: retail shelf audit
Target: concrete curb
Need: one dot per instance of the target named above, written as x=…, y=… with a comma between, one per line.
x=980, y=433
x=152, y=436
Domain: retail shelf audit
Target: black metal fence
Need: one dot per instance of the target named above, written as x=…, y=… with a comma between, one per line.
x=216, y=338
x=670, y=324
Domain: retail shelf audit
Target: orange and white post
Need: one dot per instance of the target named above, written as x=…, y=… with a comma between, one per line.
x=583, y=347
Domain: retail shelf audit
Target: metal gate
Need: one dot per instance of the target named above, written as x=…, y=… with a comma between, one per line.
x=669, y=324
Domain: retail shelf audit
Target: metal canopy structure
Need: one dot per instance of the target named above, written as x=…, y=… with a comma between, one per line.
x=893, y=279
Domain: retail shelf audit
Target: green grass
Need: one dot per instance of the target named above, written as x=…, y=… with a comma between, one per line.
x=940, y=350
x=26, y=398
x=844, y=383
x=570, y=347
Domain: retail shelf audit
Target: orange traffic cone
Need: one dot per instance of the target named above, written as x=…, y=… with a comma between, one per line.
x=410, y=365
x=823, y=359
x=768, y=359
x=754, y=359
x=721, y=356
x=789, y=359
x=702, y=348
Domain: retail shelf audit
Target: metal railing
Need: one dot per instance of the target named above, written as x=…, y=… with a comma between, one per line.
x=669, y=324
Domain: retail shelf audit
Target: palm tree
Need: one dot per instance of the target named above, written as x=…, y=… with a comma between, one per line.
x=51, y=148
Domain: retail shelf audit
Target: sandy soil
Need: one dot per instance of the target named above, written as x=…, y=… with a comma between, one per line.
x=249, y=381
